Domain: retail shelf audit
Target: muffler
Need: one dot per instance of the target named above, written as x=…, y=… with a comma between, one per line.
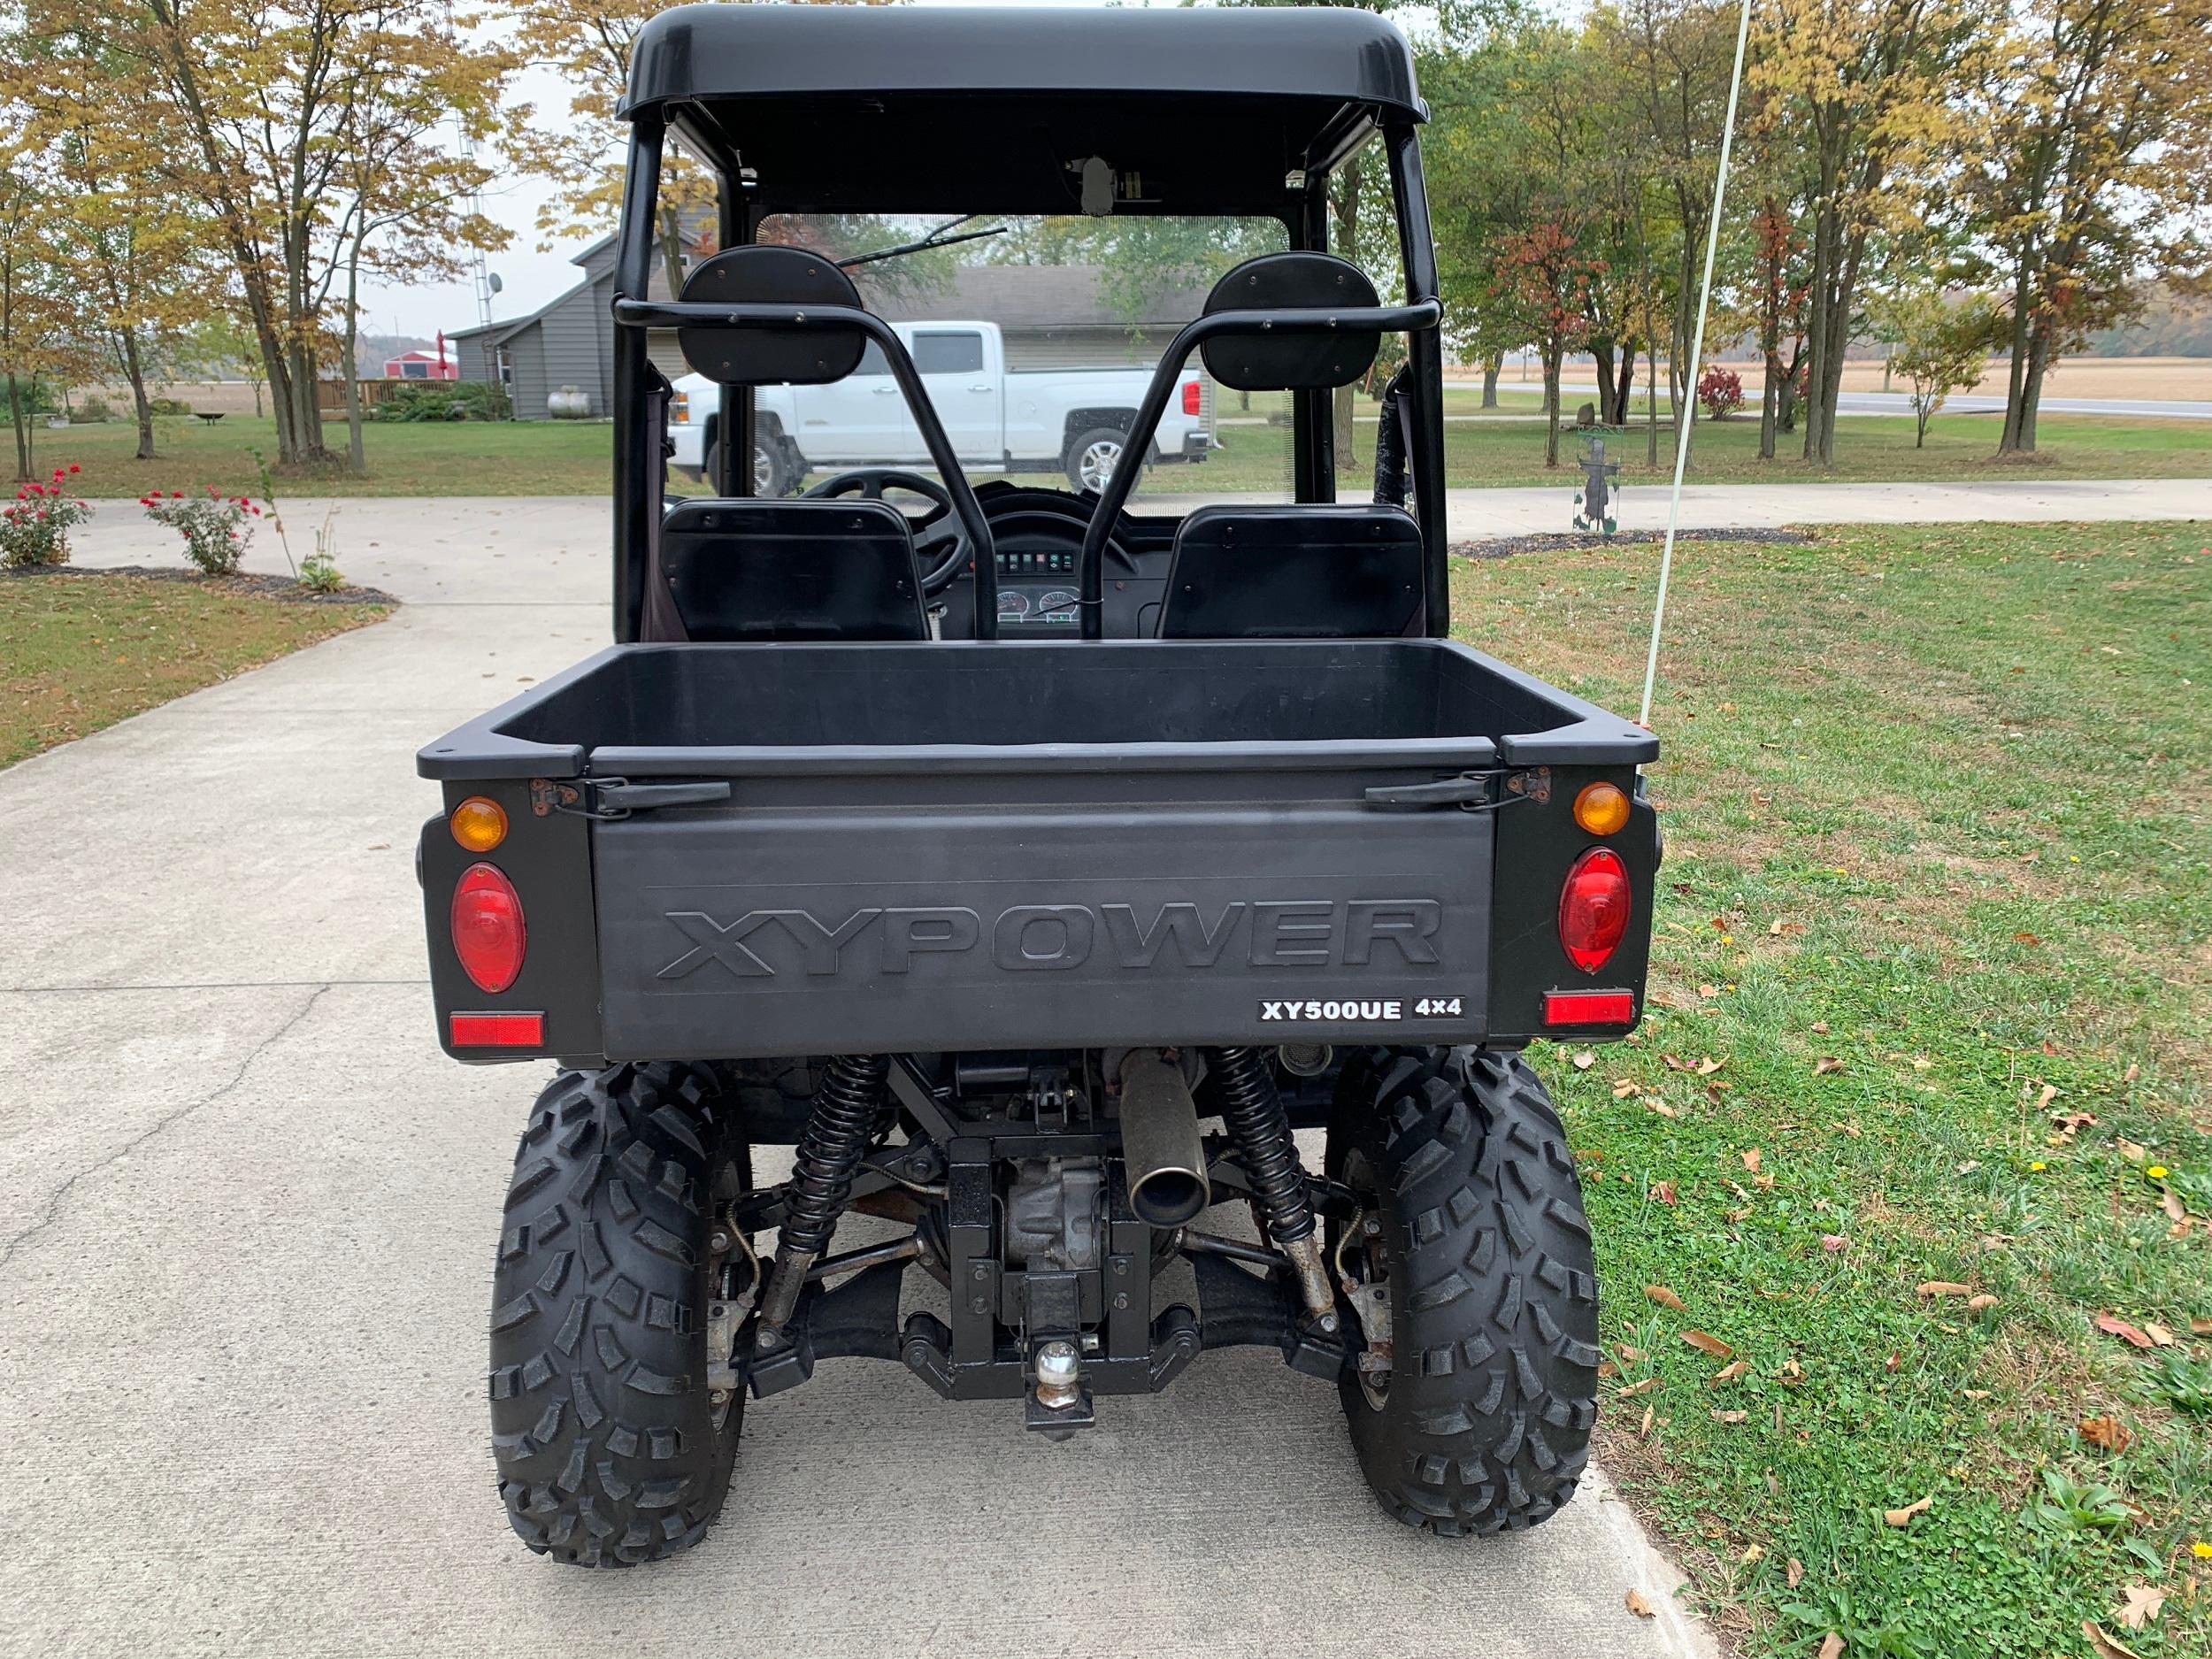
x=1161, y=1147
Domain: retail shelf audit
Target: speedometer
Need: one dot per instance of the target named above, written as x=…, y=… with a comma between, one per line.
x=1057, y=604
x=1013, y=603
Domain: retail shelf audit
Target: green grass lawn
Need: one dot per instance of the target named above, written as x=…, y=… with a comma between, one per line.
x=1932, y=1007
x=571, y=458
x=86, y=651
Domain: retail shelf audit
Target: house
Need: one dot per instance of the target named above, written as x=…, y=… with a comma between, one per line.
x=1052, y=317
x=421, y=365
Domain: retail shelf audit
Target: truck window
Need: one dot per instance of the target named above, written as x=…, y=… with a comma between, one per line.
x=948, y=353
x=872, y=361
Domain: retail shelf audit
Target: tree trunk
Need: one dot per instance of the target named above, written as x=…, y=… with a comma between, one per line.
x=1651, y=402
x=1602, y=355
x=2016, y=385
x=672, y=241
x=1491, y=365
x=1769, y=398
x=357, y=452
x=1553, y=355
x=135, y=372
x=18, y=416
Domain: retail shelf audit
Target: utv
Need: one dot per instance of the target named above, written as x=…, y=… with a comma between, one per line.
x=1037, y=948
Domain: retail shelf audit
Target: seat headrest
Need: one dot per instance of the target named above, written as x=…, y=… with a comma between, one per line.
x=763, y=273
x=1274, y=363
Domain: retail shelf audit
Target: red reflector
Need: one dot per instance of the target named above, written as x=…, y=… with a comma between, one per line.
x=488, y=935
x=1594, y=909
x=1190, y=397
x=499, y=1031
x=1589, y=1008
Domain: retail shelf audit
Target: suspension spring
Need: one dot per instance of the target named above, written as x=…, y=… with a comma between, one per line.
x=1257, y=1123
x=839, y=1125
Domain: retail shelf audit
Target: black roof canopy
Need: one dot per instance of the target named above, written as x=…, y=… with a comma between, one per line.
x=892, y=109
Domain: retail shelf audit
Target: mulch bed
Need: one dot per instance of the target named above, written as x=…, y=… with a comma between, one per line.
x=279, y=588
x=1566, y=541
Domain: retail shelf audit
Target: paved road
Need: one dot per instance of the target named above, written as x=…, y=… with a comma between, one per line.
x=246, y=1220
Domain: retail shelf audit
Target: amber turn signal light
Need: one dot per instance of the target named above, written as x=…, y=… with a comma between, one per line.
x=480, y=825
x=1600, y=809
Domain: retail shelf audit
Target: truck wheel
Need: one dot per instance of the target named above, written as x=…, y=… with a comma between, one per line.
x=1476, y=1418
x=1092, y=455
x=609, y=1448
x=772, y=468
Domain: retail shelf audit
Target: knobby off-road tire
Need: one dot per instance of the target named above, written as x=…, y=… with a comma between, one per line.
x=1484, y=1423
x=609, y=1449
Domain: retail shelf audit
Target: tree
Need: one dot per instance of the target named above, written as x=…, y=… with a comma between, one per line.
x=1865, y=91
x=41, y=333
x=1543, y=280
x=1938, y=347
x=220, y=345
x=2098, y=123
x=245, y=107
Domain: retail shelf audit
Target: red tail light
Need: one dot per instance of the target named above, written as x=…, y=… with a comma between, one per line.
x=1190, y=397
x=498, y=1031
x=488, y=935
x=1581, y=1008
x=1594, y=909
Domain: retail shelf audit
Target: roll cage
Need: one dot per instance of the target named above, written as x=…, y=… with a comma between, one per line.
x=826, y=108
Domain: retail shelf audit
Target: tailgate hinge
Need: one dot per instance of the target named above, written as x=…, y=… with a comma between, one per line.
x=607, y=799
x=1470, y=791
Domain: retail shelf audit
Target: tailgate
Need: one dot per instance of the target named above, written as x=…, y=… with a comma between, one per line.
x=837, y=926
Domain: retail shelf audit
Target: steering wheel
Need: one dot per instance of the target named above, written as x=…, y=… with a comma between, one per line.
x=940, y=546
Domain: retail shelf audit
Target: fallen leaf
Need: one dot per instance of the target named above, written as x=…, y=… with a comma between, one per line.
x=1674, y=1063
x=1975, y=1304
x=1821, y=1027
x=2103, y=1646
x=1643, y=1388
x=1663, y=1191
x=1708, y=992
x=1903, y=1517
x=1893, y=1362
x=1641, y=1608
x=1728, y=1373
x=1624, y=1089
x=2107, y=1431
x=1632, y=1356
x=1751, y=1160
x=2130, y=1151
x=2141, y=1605
x=1705, y=1343
x=1752, y=1553
x=2112, y=1324
x=2158, y=1333
x=1969, y=1167
x=1643, y=1429
x=1729, y=1417
x=1826, y=1064
x=1831, y=1648
x=2027, y=938
x=1584, y=1060
x=1659, y=1106
x=1793, y=1574
x=1943, y=1287
x=2049, y=1094
x=1791, y=1374
x=1834, y=1242
x=2200, y=1328
x=2169, y=1201
x=2131, y=1074
x=1707, y=1065
x=1666, y=1298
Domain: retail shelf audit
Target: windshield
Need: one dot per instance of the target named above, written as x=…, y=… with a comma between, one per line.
x=1036, y=339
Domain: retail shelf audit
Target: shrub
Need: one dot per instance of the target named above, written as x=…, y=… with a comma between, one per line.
x=35, y=528
x=1721, y=391
x=442, y=400
x=215, y=528
x=91, y=411
x=169, y=406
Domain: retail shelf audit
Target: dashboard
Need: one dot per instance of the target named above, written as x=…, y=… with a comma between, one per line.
x=1039, y=539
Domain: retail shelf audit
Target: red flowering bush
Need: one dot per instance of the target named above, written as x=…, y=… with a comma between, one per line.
x=216, y=528
x=35, y=527
x=1721, y=391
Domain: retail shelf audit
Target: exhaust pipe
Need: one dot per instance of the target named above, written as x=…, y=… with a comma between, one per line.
x=1160, y=1143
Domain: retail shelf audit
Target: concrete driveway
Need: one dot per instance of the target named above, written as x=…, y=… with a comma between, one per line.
x=247, y=1221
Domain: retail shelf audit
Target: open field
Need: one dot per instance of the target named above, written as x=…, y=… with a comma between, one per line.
x=2159, y=379
x=560, y=457
x=1931, y=1023
x=86, y=651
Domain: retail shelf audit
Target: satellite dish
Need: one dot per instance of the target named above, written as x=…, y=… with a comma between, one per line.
x=496, y=285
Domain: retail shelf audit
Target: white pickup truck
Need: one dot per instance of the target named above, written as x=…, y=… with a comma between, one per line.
x=1075, y=420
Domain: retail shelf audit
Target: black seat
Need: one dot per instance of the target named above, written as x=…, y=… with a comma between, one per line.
x=756, y=570
x=1306, y=571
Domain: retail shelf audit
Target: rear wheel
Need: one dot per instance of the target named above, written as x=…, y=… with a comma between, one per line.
x=611, y=1448
x=1092, y=457
x=772, y=474
x=1473, y=1413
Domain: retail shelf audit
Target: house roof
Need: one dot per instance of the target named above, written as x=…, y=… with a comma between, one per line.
x=1036, y=296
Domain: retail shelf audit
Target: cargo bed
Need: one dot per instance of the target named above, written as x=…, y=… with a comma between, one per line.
x=952, y=845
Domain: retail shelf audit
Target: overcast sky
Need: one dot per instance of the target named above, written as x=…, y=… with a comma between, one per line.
x=529, y=277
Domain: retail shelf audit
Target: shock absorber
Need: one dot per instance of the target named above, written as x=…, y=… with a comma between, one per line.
x=1245, y=1090
x=839, y=1124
